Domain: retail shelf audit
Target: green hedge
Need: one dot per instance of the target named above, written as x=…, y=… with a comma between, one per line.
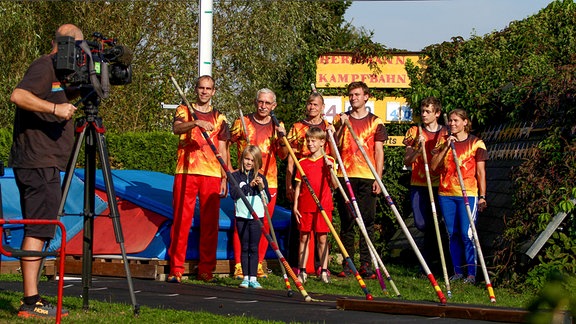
x=155, y=151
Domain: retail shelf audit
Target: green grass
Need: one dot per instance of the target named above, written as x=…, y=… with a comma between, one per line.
x=408, y=281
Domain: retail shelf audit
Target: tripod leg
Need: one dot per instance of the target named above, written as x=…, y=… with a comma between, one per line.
x=114, y=214
x=89, y=203
x=70, y=169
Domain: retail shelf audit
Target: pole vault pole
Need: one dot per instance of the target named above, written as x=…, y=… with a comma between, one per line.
x=323, y=212
x=435, y=217
x=234, y=183
x=470, y=218
x=354, y=211
x=398, y=217
x=358, y=214
x=273, y=233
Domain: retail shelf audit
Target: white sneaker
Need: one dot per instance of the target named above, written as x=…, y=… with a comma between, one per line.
x=324, y=277
x=302, y=276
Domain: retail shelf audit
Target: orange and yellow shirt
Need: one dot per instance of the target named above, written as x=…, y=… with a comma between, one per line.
x=418, y=170
x=195, y=156
x=262, y=135
x=369, y=129
x=468, y=151
x=297, y=138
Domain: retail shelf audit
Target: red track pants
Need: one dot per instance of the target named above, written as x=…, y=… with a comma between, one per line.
x=186, y=188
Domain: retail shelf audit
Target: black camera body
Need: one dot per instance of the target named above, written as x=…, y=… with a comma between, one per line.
x=98, y=63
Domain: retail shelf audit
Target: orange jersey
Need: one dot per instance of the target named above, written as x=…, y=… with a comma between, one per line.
x=319, y=176
x=263, y=136
x=369, y=130
x=195, y=156
x=418, y=171
x=469, y=151
x=297, y=138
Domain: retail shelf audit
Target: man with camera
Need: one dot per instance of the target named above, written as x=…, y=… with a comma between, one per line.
x=42, y=140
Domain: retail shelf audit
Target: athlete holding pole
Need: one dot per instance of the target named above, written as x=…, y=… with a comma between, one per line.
x=248, y=228
x=265, y=199
x=297, y=140
x=198, y=175
x=305, y=210
x=347, y=258
x=264, y=134
x=462, y=174
x=373, y=134
x=419, y=142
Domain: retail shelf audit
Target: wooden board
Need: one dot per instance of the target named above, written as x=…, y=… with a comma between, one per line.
x=485, y=313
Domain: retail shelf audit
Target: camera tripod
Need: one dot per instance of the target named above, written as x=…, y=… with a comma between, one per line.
x=90, y=130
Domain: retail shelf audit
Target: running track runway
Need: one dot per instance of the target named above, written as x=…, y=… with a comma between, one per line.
x=227, y=301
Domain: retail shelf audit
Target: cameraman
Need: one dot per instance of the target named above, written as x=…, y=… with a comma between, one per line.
x=42, y=140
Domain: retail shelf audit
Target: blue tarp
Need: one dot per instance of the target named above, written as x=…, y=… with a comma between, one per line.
x=147, y=189
x=73, y=210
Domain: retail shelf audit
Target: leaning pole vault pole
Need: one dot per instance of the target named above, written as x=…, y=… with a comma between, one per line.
x=357, y=213
x=323, y=212
x=234, y=183
x=397, y=214
x=435, y=217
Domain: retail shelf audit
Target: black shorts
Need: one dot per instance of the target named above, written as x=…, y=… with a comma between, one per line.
x=40, y=195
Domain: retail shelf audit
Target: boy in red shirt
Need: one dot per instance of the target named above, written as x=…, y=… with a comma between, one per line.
x=307, y=213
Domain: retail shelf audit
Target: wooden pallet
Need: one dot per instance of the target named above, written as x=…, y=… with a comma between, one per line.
x=113, y=266
x=13, y=267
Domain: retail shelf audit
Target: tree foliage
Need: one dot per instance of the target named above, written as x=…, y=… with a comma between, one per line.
x=525, y=72
x=256, y=44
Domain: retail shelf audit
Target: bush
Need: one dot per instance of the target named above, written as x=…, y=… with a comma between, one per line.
x=155, y=151
x=544, y=186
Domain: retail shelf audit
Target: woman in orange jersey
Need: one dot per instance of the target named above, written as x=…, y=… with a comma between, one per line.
x=471, y=154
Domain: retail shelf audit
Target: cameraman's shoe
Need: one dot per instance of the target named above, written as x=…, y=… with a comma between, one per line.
x=42, y=308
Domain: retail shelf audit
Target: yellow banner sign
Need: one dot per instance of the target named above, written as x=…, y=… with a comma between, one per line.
x=338, y=70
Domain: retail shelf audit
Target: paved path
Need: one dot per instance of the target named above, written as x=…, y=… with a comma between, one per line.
x=227, y=301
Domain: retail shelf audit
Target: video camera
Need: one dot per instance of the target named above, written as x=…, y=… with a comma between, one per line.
x=98, y=63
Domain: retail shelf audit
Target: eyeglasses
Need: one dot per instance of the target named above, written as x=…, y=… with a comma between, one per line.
x=264, y=103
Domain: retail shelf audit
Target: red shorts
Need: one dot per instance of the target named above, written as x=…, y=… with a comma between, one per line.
x=314, y=221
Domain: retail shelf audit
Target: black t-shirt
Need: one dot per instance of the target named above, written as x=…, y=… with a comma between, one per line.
x=41, y=139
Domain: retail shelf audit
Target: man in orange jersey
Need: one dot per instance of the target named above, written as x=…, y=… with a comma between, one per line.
x=198, y=173
x=258, y=129
x=372, y=133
